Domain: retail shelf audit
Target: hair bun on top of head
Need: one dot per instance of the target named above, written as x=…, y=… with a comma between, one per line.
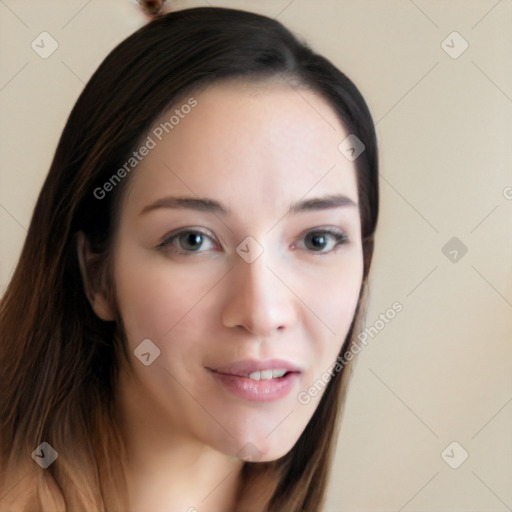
x=151, y=7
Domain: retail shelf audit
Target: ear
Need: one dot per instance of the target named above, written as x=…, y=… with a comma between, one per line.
x=92, y=278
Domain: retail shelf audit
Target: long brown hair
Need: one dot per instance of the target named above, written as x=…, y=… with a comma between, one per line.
x=59, y=362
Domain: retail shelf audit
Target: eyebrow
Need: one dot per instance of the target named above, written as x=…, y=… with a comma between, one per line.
x=215, y=207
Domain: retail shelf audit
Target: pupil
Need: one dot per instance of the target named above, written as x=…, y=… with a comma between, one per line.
x=318, y=241
x=193, y=240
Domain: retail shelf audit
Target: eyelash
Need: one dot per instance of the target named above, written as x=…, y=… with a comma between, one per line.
x=339, y=239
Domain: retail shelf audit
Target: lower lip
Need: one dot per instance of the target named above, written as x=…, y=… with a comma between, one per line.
x=258, y=390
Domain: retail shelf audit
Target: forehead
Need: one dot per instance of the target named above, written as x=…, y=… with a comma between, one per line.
x=256, y=144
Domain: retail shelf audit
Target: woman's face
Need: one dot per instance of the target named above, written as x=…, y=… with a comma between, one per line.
x=225, y=263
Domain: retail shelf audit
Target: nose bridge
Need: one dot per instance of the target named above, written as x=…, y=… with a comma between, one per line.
x=254, y=279
x=258, y=300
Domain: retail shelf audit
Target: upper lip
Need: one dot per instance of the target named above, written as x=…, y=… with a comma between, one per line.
x=248, y=366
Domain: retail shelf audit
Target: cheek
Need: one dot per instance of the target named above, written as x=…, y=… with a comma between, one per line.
x=335, y=306
x=332, y=301
x=155, y=297
x=332, y=295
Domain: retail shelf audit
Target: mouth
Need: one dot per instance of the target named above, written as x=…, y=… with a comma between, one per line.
x=258, y=369
x=260, y=374
x=258, y=381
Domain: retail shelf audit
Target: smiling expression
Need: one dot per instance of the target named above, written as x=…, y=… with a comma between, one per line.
x=239, y=241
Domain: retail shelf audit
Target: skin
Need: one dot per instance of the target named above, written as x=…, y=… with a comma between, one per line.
x=256, y=148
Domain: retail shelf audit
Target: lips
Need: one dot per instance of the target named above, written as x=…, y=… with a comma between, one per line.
x=266, y=369
x=258, y=380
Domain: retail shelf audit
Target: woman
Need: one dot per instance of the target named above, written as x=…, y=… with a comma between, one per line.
x=174, y=334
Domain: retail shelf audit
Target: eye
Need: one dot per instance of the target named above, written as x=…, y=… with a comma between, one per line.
x=187, y=242
x=324, y=241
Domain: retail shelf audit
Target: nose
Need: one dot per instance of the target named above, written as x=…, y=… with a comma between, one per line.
x=259, y=299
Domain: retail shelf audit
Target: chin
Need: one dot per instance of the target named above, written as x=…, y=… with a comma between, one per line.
x=260, y=451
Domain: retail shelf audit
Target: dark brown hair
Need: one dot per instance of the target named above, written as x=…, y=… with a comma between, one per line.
x=58, y=361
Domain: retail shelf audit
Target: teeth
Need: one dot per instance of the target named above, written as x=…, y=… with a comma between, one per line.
x=266, y=374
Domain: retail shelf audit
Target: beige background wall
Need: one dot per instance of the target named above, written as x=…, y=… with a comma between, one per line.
x=441, y=370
